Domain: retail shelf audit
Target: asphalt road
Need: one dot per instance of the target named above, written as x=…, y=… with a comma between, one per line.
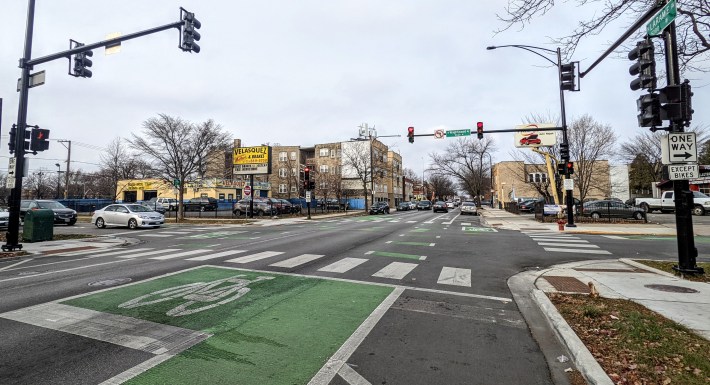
x=451, y=319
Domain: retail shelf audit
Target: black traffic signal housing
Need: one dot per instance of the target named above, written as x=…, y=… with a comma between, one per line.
x=570, y=168
x=39, y=139
x=410, y=134
x=645, y=66
x=13, y=138
x=306, y=173
x=568, y=77
x=564, y=152
x=561, y=169
x=81, y=62
x=188, y=32
x=312, y=185
x=479, y=130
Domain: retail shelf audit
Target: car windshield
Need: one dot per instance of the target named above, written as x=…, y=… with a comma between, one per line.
x=697, y=194
x=50, y=205
x=138, y=208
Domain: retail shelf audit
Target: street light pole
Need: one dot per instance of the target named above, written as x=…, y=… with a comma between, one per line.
x=59, y=173
x=490, y=161
x=565, y=142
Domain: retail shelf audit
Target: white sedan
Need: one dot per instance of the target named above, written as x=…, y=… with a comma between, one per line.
x=131, y=215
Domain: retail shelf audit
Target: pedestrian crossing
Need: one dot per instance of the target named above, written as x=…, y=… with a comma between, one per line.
x=387, y=270
x=556, y=242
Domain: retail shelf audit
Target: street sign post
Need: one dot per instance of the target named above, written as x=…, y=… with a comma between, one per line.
x=679, y=147
x=663, y=19
x=683, y=171
x=247, y=190
x=454, y=133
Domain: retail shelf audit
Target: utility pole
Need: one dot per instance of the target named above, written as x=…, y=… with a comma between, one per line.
x=66, y=173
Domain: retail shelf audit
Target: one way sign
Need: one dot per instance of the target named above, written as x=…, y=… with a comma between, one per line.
x=679, y=147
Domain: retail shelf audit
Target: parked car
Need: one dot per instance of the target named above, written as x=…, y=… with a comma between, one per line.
x=529, y=205
x=285, y=207
x=611, y=209
x=380, y=208
x=62, y=214
x=424, y=205
x=201, y=204
x=4, y=217
x=154, y=205
x=412, y=205
x=168, y=203
x=262, y=207
x=701, y=203
x=403, y=206
x=469, y=208
x=450, y=205
x=440, y=206
x=130, y=214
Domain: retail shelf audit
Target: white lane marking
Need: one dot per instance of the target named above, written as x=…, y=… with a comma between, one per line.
x=432, y=244
x=326, y=374
x=343, y=265
x=178, y=255
x=351, y=376
x=567, y=244
x=579, y=251
x=452, y=220
x=15, y=264
x=395, y=270
x=401, y=235
x=614, y=237
x=119, y=252
x=388, y=242
x=465, y=224
x=411, y=221
x=423, y=257
x=297, y=261
x=175, y=232
x=369, y=252
x=61, y=271
x=155, y=235
x=561, y=240
x=455, y=276
x=124, y=233
x=255, y=257
x=148, y=253
x=216, y=255
x=394, y=221
x=438, y=236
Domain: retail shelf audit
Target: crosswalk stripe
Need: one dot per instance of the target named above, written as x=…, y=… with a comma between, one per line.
x=343, y=265
x=216, y=255
x=174, y=232
x=297, y=261
x=465, y=224
x=106, y=253
x=148, y=253
x=395, y=270
x=614, y=237
x=566, y=244
x=552, y=235
x=455, y=276
x=255, y=257
x=183, y=254
x=579, y=251
x=411, y=221
x=561, y=240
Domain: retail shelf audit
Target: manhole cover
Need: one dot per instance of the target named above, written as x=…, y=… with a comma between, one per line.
x=671, y=288
x=111, y=282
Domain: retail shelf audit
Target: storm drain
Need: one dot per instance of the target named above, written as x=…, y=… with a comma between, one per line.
x=671, y=288
x=567, y=284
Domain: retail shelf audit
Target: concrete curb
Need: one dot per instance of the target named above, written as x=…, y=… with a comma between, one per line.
x=646, y=267
x=582, y=358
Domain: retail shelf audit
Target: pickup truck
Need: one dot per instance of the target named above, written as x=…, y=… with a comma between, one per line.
x=666, y=203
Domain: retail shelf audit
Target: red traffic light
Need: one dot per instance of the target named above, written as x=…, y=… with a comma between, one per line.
x=410, y=134
x=410, y=130
x=306, y=169
x=479, y=129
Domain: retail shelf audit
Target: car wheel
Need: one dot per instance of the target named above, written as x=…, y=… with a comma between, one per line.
x=260, y=213
x=100, y=223
x=596, y=215
x=132, y=224
x=698, y=210
x=202, y=208
x=638, y=215
x=71, y=223
x=645, y=208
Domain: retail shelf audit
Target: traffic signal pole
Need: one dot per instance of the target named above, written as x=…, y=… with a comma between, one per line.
x=569, y=194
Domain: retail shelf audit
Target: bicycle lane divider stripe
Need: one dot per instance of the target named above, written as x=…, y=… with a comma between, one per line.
x=271, y=319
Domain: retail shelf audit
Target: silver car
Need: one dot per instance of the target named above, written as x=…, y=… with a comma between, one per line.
x=469, y=208
x=131, y=215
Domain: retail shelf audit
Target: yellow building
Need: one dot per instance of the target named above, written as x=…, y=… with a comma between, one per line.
x=221, y=189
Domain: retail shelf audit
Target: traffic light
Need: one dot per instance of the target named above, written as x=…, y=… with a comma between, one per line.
x=570, y=168
x=568, y=77
x=561, y=170
x=479, y=130
x=649, y=107
x=645, y=66
x=13, y=138
x=410, y=134
x=686, y=97
x=564, y=152
x=307, y=173
x=189, y=32
x=312, y=185
x=39, y=139
x=82, y=63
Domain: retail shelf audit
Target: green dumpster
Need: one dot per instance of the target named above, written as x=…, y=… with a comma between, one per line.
x=39, y=226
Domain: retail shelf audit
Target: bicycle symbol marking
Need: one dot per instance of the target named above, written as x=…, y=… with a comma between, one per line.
x=207, y=294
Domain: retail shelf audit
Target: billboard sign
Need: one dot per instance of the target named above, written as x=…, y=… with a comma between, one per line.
x=528, y=136
x=252, y=160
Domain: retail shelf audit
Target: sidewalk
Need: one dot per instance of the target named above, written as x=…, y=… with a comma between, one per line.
x=685, y=302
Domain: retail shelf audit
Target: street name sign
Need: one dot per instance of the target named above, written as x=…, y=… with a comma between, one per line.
x=454, y=133
x=679, y=147
x=36, y=79
x=663, y=19
x=683, y=171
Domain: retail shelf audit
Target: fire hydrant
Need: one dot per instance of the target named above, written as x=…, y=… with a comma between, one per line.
x=561, y=224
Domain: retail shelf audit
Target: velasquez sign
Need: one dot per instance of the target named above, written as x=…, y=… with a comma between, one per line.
x=252, y=160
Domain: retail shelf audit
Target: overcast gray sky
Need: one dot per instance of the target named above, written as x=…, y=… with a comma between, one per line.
x=307, y=72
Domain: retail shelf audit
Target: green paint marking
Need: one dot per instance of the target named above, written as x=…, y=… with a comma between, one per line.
x=371, y=228
x=280, y=332
x=414, y=243
x=421, y=230
x=396, y=255
x=479, y=229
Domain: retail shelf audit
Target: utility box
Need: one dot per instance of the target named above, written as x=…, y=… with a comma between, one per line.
x=39, y=226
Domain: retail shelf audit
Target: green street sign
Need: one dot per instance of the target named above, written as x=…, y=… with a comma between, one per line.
x=663, y=19
x=176, y=182
x=453, y=133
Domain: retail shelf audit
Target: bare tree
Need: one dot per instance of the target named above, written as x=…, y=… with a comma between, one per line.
x=464, y=160
x=39, y=185
x=411, y=176
x=590, y=143
x=691, y=24
x=443, y=186
x=178, y=148
x=360, y=166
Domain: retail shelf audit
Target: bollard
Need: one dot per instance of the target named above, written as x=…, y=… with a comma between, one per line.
x=561, y=225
